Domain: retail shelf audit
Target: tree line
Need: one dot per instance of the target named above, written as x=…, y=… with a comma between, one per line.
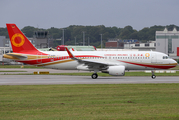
x=92, y=33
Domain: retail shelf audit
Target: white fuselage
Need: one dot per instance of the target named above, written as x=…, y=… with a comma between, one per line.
x=132, y=60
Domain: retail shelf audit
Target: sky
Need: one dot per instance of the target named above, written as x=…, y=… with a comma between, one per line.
x=63, y=13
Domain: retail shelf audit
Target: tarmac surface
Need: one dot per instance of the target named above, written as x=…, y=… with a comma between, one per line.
x=63, y=79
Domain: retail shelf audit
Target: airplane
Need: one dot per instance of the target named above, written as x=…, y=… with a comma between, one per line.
x=112, y=62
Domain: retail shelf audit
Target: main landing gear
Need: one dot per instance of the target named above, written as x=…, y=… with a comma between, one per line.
x=94, y=75
x=153, y=75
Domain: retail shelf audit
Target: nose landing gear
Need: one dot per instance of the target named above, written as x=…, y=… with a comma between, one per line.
x=153, y=75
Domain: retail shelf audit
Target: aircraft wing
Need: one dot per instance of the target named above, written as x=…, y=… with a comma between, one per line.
x=91, y=64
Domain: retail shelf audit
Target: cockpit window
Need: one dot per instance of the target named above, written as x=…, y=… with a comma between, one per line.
x=165, y=57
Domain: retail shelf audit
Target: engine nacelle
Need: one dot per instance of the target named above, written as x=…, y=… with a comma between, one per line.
x=116, y=70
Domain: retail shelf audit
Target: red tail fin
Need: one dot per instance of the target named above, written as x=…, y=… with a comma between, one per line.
x=19, y=42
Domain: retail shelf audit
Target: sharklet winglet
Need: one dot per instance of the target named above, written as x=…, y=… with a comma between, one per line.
x=71, y=55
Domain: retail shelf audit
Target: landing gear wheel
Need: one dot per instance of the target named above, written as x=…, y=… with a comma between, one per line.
x=94, y=75
x=153, y=76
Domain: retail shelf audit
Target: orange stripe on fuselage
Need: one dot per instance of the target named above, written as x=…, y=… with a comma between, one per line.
x=49, y=60
x=159, y=66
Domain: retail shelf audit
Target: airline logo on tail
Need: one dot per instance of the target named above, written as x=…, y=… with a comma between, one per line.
x=18, y=40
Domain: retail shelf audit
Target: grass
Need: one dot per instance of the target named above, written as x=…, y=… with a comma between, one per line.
x=32, y=66
x=175, y=68
x=126, y=74
x=103, y=74
x=114, y=101
x=20, y=66
x=119, y=101
x=12, y=71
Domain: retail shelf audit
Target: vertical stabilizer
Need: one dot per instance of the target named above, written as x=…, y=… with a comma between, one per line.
x=19, y=42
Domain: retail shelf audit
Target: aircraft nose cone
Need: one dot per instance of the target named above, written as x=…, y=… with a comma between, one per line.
x=174, y=62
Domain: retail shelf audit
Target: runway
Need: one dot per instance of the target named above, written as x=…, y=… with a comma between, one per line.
x=61, y=79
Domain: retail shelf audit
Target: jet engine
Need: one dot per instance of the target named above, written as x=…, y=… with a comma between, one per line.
x=116, y=70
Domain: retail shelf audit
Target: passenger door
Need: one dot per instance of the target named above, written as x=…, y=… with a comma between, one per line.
x=153, y=58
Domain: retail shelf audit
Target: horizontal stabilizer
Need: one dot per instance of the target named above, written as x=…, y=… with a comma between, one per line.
x=21, y=57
